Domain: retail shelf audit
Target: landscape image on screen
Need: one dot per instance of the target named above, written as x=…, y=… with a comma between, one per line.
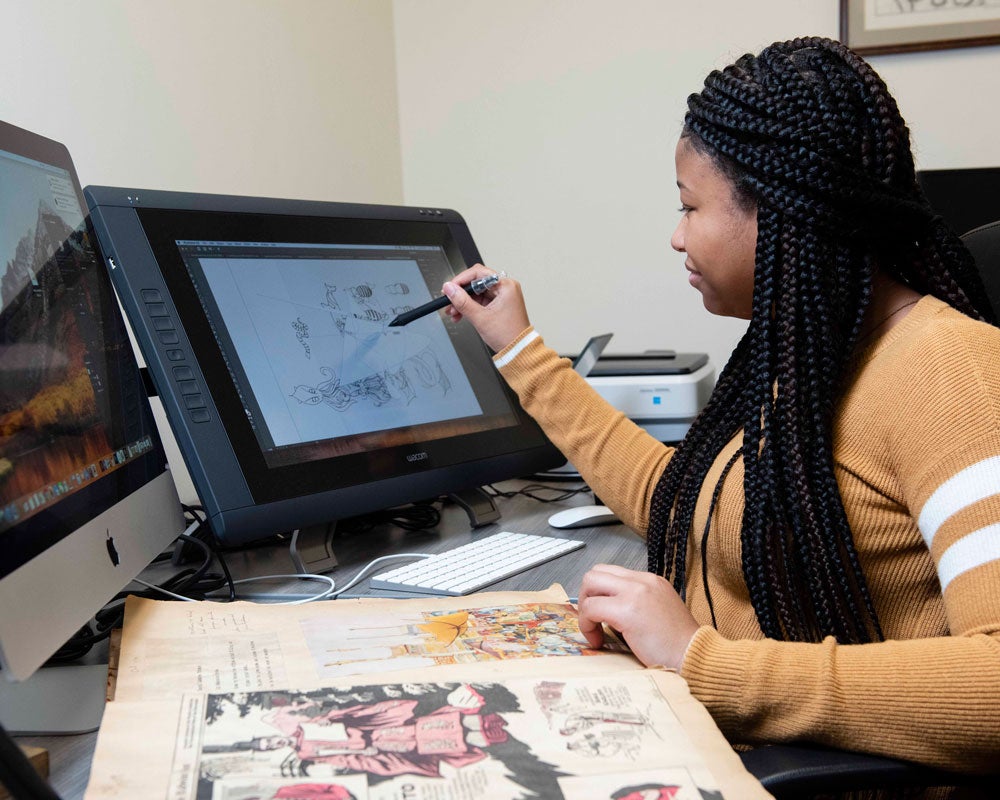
x=55, y=435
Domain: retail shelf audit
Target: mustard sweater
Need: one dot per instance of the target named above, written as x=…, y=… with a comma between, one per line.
x=917, y=459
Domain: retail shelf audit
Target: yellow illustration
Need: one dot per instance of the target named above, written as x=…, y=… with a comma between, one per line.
x=461, y=636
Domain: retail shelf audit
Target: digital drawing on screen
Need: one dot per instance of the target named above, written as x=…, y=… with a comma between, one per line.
x=313, y=339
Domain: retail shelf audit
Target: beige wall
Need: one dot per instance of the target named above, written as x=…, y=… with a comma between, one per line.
x=551, y=127
x=288, y=99
x=259, y=97
x=550, y=124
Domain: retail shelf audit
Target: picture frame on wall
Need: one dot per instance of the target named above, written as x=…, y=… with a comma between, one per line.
x=899, y=26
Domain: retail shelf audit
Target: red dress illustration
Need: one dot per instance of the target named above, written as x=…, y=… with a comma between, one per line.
x=312, y=791
x=386, y=738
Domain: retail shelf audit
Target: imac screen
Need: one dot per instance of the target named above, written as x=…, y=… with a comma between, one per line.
x=265, y=324
x=76, y=433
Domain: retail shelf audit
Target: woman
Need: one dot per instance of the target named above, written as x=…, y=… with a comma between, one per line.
x=824, y=554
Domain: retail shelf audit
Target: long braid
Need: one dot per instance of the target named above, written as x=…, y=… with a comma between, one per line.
x=810, y=133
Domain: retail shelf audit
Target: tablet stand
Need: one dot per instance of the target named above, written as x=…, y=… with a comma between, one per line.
x=311, y=549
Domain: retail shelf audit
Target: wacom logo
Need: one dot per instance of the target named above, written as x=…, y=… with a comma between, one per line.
x=414, y=457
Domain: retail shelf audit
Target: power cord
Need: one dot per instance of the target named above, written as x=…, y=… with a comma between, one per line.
x=330, y=592
x=195, y=582
x=534, y=491
x=418, y=516
x=414, y=517
x=192, y=585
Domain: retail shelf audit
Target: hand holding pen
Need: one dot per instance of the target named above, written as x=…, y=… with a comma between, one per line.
x=498, y=315
x=475, y=286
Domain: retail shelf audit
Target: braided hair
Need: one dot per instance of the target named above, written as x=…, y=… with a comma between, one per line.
x=809, y=133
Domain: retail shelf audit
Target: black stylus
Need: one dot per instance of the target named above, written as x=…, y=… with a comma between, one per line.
x=478, y=286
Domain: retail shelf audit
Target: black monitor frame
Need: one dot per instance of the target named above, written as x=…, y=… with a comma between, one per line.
x=250, y=489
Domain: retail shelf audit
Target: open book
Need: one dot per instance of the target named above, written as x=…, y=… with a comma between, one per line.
x=493, y=695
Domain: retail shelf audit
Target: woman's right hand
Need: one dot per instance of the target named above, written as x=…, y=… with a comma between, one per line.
x=498, y=315
x=644, y=608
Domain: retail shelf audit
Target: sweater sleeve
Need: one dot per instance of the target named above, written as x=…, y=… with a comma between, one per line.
x=934, y=701
x=931, y=699
x=618, y=459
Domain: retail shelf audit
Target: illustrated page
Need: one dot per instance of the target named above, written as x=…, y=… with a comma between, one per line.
x=612, y=736
x=172, y=647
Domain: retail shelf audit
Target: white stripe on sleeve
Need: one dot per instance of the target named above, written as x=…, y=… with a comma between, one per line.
x=969, y=486
x=972, y=550
x=511, y=354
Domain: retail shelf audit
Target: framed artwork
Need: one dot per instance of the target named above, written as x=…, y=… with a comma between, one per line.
x=899, y=26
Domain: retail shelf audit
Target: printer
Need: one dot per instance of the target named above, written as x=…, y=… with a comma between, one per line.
x=660, y=391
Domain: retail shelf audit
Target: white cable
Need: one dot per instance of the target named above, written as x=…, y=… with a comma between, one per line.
x=367, y=567
x=320, y=596
x=187, y=532
x=164, y=591
x=329, y=592
x=301, y=575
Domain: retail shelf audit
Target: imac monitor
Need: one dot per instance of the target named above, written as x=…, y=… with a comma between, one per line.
x=265, y=327
x=86, y=501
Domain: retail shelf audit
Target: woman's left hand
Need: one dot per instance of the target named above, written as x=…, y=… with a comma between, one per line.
x=644, y=608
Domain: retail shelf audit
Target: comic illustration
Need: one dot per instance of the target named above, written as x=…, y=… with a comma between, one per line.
x=343, y=788
x=663, y=784
x=484, y=721
x=438, y=741
x=428, y=638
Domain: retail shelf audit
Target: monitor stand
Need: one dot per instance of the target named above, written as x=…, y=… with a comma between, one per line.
x=478, y=505
x=55, y=701
x=312, y=551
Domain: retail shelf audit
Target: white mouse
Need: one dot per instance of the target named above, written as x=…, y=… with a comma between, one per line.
x=583, y=517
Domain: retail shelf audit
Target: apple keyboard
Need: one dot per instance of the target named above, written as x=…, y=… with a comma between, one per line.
x=472, y=566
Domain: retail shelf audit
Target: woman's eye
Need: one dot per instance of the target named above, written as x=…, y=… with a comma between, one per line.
x=684, y=209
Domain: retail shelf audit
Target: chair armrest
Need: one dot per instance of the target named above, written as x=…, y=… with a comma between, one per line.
x=790, y=771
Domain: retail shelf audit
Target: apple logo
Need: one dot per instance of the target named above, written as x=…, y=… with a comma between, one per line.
x=112, y=550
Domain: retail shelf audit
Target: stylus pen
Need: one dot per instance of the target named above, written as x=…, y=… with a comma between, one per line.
x=478, y=286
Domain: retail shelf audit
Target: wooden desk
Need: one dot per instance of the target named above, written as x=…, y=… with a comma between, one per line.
x=70, y=756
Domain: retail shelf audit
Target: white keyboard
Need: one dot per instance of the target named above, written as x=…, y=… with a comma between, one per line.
x=472, y=566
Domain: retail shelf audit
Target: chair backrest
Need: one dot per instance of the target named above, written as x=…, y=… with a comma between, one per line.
x=984, y=244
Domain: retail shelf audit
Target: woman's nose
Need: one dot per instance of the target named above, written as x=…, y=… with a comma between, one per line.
x=677, y=240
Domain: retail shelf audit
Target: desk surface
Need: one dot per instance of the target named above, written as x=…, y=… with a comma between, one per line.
x=70, y=756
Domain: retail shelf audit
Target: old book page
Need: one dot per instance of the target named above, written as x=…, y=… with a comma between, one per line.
x=494, y=695
x=169, y=648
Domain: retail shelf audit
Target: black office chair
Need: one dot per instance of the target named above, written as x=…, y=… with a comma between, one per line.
x=984, y=244
x=800, y=770
x=793, y=771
